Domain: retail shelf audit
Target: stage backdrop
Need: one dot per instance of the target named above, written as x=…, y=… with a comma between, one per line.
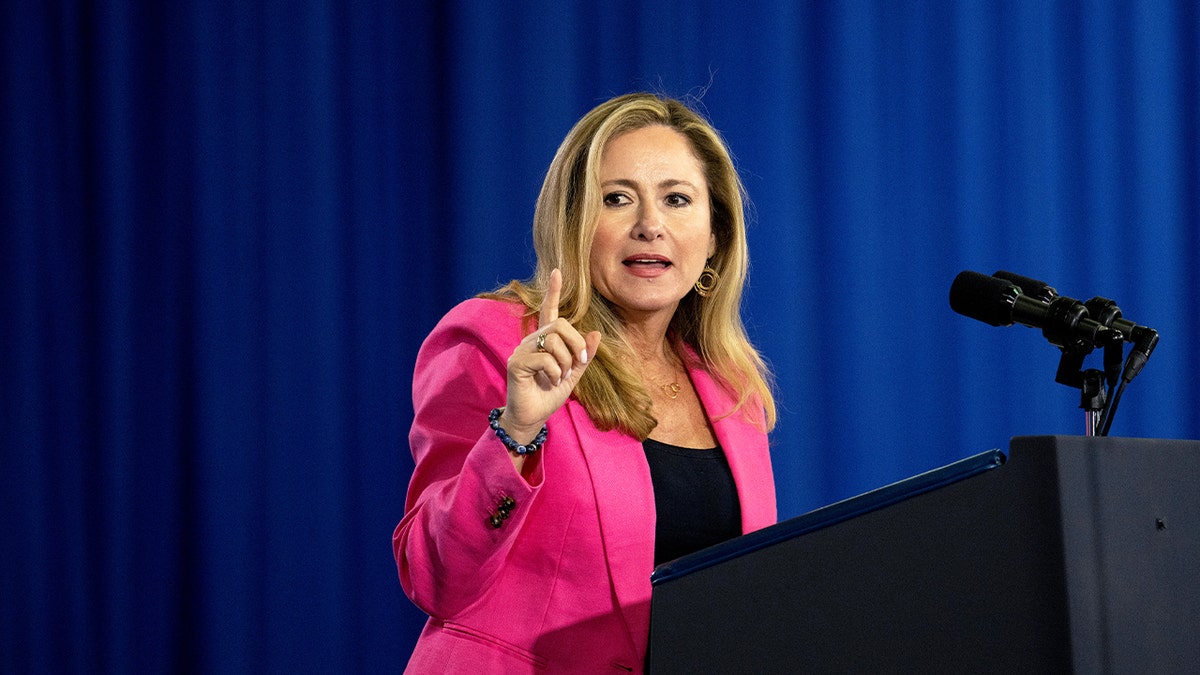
x=226, y=226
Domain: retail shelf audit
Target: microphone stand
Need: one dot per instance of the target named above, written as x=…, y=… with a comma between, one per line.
x=1092, y=399
x=1095, y=386
x=1089, y=382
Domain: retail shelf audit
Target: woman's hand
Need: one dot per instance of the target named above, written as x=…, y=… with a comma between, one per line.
x=544, y=369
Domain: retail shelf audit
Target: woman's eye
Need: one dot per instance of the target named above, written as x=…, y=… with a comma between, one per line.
x=615, y=199
x=677, y=200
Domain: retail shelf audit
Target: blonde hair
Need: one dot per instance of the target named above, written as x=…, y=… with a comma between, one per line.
x=564, y=225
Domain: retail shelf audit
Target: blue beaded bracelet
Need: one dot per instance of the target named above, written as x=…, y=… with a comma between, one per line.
x=513, y=446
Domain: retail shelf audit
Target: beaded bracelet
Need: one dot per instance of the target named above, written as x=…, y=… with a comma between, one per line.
x=513, y=446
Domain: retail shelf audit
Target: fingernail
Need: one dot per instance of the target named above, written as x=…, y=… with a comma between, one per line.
x=568, y=375
x=583, y=356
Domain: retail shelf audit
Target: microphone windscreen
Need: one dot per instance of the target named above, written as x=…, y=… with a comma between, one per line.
x=983, y=298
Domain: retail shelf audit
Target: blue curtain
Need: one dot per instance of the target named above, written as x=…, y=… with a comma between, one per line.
x=225, y=228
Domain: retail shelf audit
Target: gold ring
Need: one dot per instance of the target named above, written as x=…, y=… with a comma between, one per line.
x=541, y=343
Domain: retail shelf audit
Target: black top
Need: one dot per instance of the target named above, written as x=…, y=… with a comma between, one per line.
x=695, y=497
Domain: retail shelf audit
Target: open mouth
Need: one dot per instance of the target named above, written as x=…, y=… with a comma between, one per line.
x=647, y=262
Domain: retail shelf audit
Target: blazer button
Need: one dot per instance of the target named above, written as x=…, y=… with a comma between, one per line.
x=503, y=508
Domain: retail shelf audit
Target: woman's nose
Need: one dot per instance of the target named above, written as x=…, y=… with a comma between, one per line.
x=649, y=224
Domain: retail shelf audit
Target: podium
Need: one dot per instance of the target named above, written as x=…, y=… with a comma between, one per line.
x=1070, y=554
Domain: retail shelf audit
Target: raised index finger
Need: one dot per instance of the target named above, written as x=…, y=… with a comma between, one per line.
x=549, y=310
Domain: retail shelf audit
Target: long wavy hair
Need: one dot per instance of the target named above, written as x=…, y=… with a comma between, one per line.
x=564, y=225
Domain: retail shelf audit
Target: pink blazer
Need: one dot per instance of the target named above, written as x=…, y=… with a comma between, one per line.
x=563, y=585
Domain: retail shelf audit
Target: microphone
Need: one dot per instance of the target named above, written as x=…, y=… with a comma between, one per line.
x=1106, y=312
x=1144, y=338
x=1006, y=298
x=1001, y=302
x=1038, y=290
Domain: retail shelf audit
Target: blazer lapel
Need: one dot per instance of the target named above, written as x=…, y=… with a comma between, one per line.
x=625, y=502
x=625, y=495
x=746, y=449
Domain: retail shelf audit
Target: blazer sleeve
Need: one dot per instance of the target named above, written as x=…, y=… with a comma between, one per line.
x=447, y=550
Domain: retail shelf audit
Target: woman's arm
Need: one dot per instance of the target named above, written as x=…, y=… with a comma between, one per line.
x=447, y=550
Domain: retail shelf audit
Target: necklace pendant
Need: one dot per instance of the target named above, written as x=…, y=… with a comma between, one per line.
x=671, y=390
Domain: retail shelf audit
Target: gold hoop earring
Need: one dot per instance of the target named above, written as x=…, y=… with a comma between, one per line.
x=707, y=281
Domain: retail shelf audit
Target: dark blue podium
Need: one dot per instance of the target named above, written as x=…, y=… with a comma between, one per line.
x=1070, y=554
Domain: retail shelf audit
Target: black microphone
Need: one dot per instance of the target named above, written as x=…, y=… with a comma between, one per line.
x=1038, y=290
x=1105, y=312
x=1144, y=338
x=1000, y=302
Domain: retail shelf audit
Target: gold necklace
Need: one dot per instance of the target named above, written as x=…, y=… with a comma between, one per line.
x=670, y=390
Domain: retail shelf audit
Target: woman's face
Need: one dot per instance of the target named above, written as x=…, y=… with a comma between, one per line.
x=655, y=232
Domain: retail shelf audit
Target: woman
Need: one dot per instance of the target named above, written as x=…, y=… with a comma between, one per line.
x=574, y=431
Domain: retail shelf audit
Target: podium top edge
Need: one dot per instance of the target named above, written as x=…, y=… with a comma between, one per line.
x=827, y=516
